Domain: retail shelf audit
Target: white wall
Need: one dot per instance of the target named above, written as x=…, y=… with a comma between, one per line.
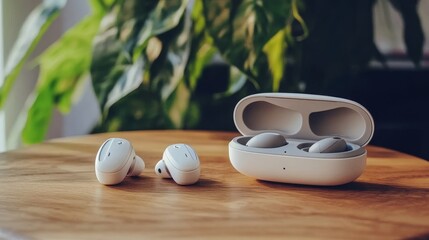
x=85, y=113
x=13, y=14
x=389, y=30
x=2, y=115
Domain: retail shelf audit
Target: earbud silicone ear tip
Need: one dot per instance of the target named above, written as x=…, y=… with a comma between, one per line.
x=161, y=169
x=138, y=167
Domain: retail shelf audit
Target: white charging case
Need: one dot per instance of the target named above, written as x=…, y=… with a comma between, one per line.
x=302, y=119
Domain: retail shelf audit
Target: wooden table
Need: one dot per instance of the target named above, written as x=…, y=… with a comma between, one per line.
x=49, y=191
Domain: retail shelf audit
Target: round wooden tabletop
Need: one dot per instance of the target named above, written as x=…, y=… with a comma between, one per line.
x=49, y=191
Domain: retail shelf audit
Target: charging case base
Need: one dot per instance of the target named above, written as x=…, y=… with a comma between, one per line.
x=297, y=170
x=301, y=118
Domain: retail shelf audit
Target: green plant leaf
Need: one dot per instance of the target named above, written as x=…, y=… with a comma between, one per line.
x=101, y=7
x=163, y=18
x=237, y=79
x=176, y=106
x=64, y=63
x=114, y=74
x=38, y=118
x=141, y=109
x=30, y=34
x=275, y=51
x=130, y=80
x=63, y=68
x=241, y=29
x=161, y=64
x=202, y=49
x=413, y=31
x=168, y=70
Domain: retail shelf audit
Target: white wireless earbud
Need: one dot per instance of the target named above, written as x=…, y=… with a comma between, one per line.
x=115, y=160
x=329, y=145
x=181, y=163
x=267, y=140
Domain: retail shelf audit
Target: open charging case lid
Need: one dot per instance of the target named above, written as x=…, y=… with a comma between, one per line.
x=304, y=117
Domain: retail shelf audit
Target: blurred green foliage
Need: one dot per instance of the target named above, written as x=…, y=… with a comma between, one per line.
x=146, y=59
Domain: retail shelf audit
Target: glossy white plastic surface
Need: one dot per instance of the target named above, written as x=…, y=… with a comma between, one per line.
x=182, y=164
x=302, y=119
x=298, y=170
x=115, y=160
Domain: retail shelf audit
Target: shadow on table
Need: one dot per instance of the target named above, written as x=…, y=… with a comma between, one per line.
x=353, y=186
x=155, y=184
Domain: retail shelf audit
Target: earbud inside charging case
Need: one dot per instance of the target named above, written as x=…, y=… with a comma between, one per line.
x=302, y=119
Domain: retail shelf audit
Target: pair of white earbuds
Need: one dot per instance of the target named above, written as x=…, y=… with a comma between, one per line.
x=273, y=140
x=117, y=159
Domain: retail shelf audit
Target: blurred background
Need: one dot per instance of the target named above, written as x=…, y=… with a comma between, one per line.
x=78, y=67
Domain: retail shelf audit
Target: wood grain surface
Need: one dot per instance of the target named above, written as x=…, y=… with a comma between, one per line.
x=49, y=191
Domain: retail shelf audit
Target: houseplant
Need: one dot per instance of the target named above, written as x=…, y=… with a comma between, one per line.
x=145, y=58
